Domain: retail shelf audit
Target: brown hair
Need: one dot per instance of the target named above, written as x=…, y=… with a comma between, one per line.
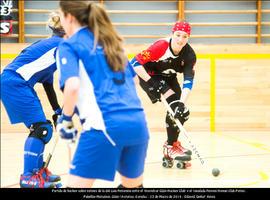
x=95, y=17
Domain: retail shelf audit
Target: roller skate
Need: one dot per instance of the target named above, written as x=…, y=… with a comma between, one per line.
x=183, y=149
x=35, y=180
x=174, y=153
x=48, y=176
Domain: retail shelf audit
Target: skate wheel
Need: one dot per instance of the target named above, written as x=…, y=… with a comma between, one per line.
x=167, y=163
x=181, y=165
x=170, y=164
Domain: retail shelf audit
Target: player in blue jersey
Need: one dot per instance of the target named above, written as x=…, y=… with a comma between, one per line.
x=97, y=80
x=35, y=64
x=157, y=68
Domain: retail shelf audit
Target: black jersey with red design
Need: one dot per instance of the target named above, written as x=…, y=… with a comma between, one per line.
x=159, y=59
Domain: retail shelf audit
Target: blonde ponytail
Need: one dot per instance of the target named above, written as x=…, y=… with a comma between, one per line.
x=55, y=25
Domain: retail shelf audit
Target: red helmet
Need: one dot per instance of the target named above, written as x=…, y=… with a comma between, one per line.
x=182, y=26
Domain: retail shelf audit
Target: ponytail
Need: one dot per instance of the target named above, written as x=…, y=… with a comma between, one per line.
x=105, y=34
x=95, y=17
x=54, y=24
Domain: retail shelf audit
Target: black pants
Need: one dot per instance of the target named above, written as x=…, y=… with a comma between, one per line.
x=172, y=130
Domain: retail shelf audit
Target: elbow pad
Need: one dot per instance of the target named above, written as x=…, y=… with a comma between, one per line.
x=134, y=62
x=188, y=83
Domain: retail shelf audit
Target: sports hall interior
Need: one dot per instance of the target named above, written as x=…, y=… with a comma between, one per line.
x=229, y=103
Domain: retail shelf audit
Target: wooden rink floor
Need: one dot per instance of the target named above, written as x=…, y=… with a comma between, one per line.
x=244, y=161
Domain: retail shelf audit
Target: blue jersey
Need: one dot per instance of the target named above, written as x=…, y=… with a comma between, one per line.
x=37, y=62
x=100, y=96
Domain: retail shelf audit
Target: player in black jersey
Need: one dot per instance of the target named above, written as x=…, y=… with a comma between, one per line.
x=157, y=68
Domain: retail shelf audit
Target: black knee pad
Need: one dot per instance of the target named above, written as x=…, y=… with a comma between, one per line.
x=144, y=86
x=42, y=131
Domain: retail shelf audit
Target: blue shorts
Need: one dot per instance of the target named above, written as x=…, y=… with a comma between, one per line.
x=20, y=100
x=96, y=158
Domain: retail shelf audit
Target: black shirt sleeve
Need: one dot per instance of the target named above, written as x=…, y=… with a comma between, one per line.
x=51, y=95
x=190, y=61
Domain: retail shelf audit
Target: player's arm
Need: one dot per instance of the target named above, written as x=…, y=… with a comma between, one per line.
x=185, y=94
x=152, y=54
x=189, y=73
x=142, y=73
x=51, y=95
x=68, y=65
x=70, y=95
x=137, y=64
x=181, y=112
x=153, y=85
x=65, y=124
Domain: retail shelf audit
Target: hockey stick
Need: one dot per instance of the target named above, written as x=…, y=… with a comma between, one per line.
x=184, y=132
x=47, y=162
x=70, y=145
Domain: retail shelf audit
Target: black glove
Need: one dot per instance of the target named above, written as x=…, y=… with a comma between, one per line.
x=153, y=90
x=156, y=88
x=179, y=109
x=55, y=116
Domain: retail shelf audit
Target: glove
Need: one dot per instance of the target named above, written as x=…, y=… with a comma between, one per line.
x=156, y=88
x=55, y=116
x=153, y=90
x=65, y=128
x=181, y=112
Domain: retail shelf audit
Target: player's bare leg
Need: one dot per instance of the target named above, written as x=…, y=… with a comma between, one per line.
x=79, y=182
x=131, y=182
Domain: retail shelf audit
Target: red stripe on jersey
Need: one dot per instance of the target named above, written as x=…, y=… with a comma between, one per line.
x=153, y=53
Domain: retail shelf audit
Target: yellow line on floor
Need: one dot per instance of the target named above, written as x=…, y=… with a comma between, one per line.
x=263, y=177
x=253, y=144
